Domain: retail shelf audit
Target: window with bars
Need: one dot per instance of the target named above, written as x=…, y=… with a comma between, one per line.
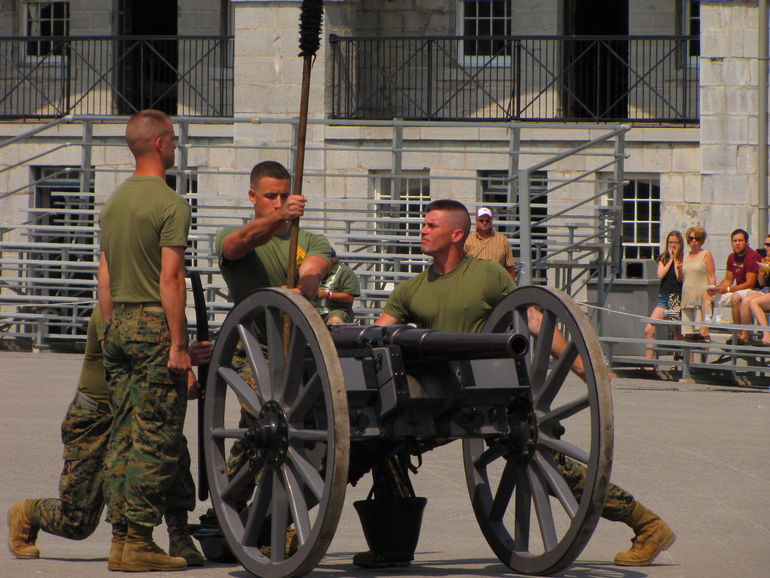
x=63, y=217
x=400, y=202
x=641, y=218
x=46, y=20
x=487, y=22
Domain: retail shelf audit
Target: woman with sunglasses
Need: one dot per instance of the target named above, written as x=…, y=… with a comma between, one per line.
x=698, y=272
x=670, y=275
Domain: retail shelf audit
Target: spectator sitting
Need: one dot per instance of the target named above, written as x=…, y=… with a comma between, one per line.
x=337, y=292
x=739, y=281
x=755, y=305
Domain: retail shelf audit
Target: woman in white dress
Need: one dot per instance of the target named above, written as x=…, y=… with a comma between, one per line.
x=698, y=272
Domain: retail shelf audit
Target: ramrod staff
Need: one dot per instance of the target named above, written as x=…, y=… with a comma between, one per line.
x=309, y=42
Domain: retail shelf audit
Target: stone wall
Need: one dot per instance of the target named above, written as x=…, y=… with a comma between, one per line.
x=727, y=198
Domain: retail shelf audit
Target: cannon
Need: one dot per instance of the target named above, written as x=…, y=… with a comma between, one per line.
x=326, y=393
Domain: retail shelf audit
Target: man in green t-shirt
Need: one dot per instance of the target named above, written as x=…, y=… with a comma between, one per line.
x=141, y=281
x=257, y=255
x=337, y=292
x=457, y=293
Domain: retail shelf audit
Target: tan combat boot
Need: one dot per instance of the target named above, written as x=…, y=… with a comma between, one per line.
x=651, y=536
x=180, y=543
x=115, y=561
x=141, y=554
x=22, y=531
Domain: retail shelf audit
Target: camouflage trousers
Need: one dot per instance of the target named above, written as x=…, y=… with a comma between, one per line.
x=238, y=457
x=618, y=504
x=75, y=514
x=147, y=449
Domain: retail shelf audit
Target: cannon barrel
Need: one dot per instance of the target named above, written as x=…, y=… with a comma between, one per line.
x=427, y=343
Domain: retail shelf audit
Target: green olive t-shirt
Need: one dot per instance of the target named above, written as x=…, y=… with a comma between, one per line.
x=142, y=216
x=458, y=301
x=266, y=265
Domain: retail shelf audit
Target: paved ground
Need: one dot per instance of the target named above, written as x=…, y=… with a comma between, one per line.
x=696, y=454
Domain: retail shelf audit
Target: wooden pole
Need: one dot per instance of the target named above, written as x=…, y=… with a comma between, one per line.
x=310, y=30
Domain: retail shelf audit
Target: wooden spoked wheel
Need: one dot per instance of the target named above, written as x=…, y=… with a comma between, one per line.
x=276, y=450
x=521, y=485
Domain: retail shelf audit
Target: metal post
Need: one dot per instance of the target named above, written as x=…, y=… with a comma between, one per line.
x=397, y=156
x=525, y=230
x=181, y=180
x=617, y=201
x=86, y=172
x=762, y=136
x=514, y=146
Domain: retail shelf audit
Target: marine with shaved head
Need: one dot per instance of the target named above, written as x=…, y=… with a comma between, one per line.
x=458, y=293
x=144, y=228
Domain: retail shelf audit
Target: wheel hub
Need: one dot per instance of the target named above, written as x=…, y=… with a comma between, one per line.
x=269, y=438
x=522, y=440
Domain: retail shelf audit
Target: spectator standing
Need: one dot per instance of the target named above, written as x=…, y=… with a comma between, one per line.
x=486, y=243
x=337, y=292
x=740, y=279
x=670, y=275
x=698, y=272
x=141, y=281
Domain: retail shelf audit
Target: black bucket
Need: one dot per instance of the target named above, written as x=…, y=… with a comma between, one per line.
x=392, y=525
x=213, y=542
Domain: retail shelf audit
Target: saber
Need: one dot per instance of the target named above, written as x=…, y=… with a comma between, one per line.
x=310, y=18
x=202, y=334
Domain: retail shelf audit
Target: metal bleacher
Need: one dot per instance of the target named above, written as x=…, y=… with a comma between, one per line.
x=48, y=258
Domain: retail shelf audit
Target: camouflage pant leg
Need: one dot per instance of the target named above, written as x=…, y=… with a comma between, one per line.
x=619, y=503
x=149, y=403
x=75, y=514
x=238, y=457
x=181, y=496
x=116, y=460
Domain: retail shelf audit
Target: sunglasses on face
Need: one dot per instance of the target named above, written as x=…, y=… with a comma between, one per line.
x=693, y=238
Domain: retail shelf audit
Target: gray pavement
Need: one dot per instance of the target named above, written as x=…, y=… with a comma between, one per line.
x=696, y=454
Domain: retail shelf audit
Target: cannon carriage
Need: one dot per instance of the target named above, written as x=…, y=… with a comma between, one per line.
x=333, y=401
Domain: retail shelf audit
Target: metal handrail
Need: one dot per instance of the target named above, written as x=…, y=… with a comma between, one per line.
x=98, y=75
x=359, y=224
x=567, y=78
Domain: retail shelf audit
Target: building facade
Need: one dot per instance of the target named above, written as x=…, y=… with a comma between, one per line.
x=509, y=82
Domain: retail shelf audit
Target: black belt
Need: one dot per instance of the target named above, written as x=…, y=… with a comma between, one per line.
x=153, y=307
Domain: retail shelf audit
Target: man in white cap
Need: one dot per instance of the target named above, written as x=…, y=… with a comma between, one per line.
x=486, y=243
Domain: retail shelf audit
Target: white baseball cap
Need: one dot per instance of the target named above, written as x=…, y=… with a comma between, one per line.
x=484, y=212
